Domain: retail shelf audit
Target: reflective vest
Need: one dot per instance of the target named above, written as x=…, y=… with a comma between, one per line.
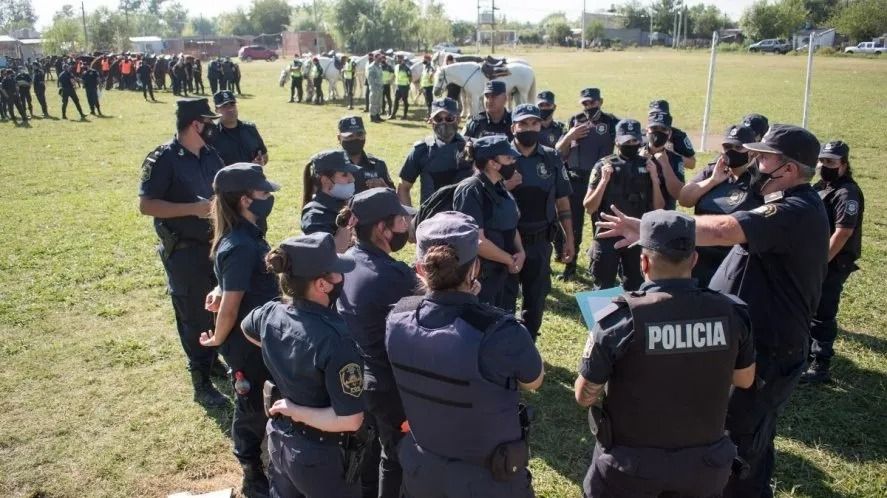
x=106, y=66
x=295, y=70
x=348, y=71
x=126, y=67
x=387, y=77
x=427, y=77
x=403, y=75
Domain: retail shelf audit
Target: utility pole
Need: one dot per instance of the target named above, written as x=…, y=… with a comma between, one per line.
x=583, y=25
x=493, y=27
x=83, y=17
x=650, y=36
x=477, y=30
x=674, y=30
x=686, y=23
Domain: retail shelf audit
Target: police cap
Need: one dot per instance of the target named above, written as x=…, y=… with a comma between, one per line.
x=493, y=145
x=240, y=177
x=627, y=129
x=545, y=96
x=223, y=97
x=525, y=111
x=757, y=122
x=331, y=161
x=793, y=142
x=835, y=149
x=660, y=105
x=315, y=255
x=590, y=94
x=350, y=125
x=494, y=87
x=193, y=109
x=739, y=135
x=449, y=228
x=659, y=118
x=445, y=104
x=668, y=232
x=376, y=204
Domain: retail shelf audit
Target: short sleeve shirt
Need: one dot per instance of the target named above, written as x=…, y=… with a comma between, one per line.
x=320, y=214
x=482, y=126
x=437, y=165
x=681, y=143
x=543, y=181
x=844, y=204
x=371, y=168
x=240, y=267
x=240, y=144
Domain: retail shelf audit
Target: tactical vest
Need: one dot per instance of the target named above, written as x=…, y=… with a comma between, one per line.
x=453, y=410
x=630, y=188
x=403, y=75
x=670, y=389
x=729, y=197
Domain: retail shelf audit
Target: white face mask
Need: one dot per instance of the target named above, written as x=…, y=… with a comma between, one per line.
x=342, y=191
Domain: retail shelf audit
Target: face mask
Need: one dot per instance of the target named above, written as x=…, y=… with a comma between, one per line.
x=829, y=174
x=546, y=113
x=342, y=191
x=593, y=113
x=527, y=138
x=629, y=151
x=765, y=178
x=336, y=292
x=735, y=159
x=208, y=132
x=353, y=147
x=261, y=208
x=506, y=170
x=445, y=131
x=398, y=240
x=657, y=138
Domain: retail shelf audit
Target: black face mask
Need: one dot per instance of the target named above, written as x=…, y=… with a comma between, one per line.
x=527, y=138
x=398, y=240
x=765, y=178
x=629, y=151
x=262, y=207
x=735, y=159
x=353, y=147
x=506, y=170
x=657, y=138
x=445, y=132
x=829, y=174
x=208, y=132
x=546, y=113
x=335, y=293
x=593, y=113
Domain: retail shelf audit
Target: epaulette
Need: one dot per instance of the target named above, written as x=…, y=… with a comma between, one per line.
x=248, y=123
x=774, y=197
x=484, y=317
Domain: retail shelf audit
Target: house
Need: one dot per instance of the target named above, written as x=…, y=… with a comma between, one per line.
x=607, y=19
x=32, y=48
x=206, y=47
x=10, y=47
x=301, y=42
x=823, y=38
x=146, y=44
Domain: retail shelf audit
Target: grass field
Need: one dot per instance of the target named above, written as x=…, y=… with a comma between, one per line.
x=96, y=400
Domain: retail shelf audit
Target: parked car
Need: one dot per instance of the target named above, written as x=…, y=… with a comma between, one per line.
x=447, y=47
x=774, y=45
x=866, y=48
x=256, y=52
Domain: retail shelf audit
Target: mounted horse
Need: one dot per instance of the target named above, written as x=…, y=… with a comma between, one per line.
x=520, y=82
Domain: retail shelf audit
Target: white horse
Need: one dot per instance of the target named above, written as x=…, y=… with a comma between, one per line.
x=330, y=74
x=520, y=85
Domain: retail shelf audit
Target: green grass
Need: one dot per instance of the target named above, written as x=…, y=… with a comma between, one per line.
x=96, y=401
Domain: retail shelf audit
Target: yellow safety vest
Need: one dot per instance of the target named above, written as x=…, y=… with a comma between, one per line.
x=296, y=71
x=427, y=75
x=348, y=72
x=387, y=77
x=403, y=76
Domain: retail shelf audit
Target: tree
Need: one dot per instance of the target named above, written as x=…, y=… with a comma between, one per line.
x=303, y=18
x=202, y=26
x=636, y=15
x=154, y=6
x=704, y=19
x=463, y=30
x=791, y=16
x=175, y=16
x=65, y=34
x=400, y=19
x=663, y=16
x=434, y=26
x=820, y=11
x=557, y=32
x=129, y=6
x=861, y=19
x=760, y=21
x=234, y=23
x=16, y=14
x=269, y=16
x=105, y=28
x=594, y=31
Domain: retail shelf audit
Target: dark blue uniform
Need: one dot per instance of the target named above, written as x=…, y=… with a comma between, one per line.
x=667, y=354
x=543, y=180
x=91, y=86
x=172, y=173
x=371, y=168
x=549, y=135
x=319, y=215
x=66, y=84
x=495, y=211
x=680, y=143
x=677, y=166
x=730, y=196
x=779, y=273
x=314, y=362
x=23, y=79
x=457, y=365
x=482, y=126
x=436, y=163
x=240, y=144
x=40, y=89
x=371, y=289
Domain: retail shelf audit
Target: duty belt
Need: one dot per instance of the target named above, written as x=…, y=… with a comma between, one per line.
x=312, y=434
x=532, y=236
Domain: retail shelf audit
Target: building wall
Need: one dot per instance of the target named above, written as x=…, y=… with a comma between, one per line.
x=301, y=42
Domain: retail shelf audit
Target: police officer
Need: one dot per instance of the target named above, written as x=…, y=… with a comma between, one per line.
x=542, y=193
x=459, y=384
x=375, y=85
x=317, y=80
x=213, y=74
x=40, y=88
x=551, y=130
x=777, y=266
x=454, y=91
x=67, y=91
x=91, y=79
x=295, y=71
x=328, y=182
x=722, y=187
x=387, y=80
x=629, y=182
x=144, y=73
x=197, y=76
x=590, y=138
x=381, y=225
x=668, y=355
x=436, y=159
x=348, y=77
x=9, y=88
x=314, y=363
x=402, y=78
x=236, y=141
x=495, y=119
x=175, y=189
x=426, y=81
x=670, y=165
x=372, y=171
x=24, y=80
x=757, y=122
x=678, y=139
x=845, y=205
x=242, y=202
x=485, y=198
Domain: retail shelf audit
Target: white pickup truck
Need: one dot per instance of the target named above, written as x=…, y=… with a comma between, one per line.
x=866, y=48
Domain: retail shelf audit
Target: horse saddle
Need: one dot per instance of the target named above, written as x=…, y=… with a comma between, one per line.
x=494, y=68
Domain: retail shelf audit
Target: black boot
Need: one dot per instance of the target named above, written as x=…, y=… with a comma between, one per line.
x=205, y=393
x=569, y=273
x=219, y=369
x=255, y=483
x=818, y=373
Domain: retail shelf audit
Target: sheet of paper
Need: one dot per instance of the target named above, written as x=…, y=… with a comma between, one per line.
x=590, y=302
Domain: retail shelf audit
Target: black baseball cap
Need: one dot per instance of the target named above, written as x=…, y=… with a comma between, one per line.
x=376, y=204
x=492, y=146
x=545, y=96
x=738, y=135
x=445, y=104
x=793, y=142
x=449, y=228
x=494, y=87
x=626, y=130
x=333, y=160
x=239, y=177
x=350, y=125
x=194, y=109
x=757, y=122
x=660, y=105
x=836, y=149
x=223, y=97
x=525, y=111
x=659, y=118
x=315, y=255
x=590, y=94
x=668, y=232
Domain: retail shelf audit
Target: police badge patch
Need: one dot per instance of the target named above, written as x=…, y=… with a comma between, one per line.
x=601, y=128
x=543, y=171
x=766, y=210
x=351, y=379
x=735, y=197
x=852, y=207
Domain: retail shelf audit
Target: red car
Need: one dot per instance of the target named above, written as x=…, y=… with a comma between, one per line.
x=256, y=52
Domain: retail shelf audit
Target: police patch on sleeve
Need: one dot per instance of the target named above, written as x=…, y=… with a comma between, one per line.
x=687, y=143
x=147, y=166
x=589, y=345
x=766, y=210
x=852, y=208
x=351, y=379
x=694, y=336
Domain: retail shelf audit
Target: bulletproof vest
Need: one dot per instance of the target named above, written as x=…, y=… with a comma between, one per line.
x=535, y=195
x=588, y=150
x=453, y=411
x=630, y=188
x=670, y=389
x=729, y=197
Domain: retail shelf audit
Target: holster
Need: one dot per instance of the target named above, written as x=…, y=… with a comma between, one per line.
x=270, y=394
x=168, y=241
x=513, y=457
x=599, y=424
x=355, y=451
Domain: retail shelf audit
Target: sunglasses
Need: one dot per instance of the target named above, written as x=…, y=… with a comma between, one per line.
x=449, y=118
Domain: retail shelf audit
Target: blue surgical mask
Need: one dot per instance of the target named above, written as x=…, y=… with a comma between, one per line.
x=342, y=191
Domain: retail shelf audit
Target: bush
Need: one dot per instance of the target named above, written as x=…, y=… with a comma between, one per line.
x=828, y=51
x=730, y=47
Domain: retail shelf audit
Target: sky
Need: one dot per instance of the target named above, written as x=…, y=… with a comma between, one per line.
x=515, y=10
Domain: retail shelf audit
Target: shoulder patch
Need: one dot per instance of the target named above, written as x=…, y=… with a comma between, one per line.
x=852, y=208
x=351, y=379
x=766, y=210
x=589, y=346
x=150, y=160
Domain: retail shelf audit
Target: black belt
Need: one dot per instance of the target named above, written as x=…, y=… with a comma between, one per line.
x=543, y=234
x=313, y=434
x=184, y=244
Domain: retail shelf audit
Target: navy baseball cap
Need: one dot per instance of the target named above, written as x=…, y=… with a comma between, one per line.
x=315, y=255
x=739, y=135
x=449, y=228
x=626, y=130
x=525, y=111
x=494, y=87
x=659, y=118
x=330, y=161
x=240, y=177
x=223, y=97
x=668, y=232
x=757, y=122
x=376, y=204
x=350, y=125
x=193, y=109
x=660, y=105
x=445, y=104
x=836, y=149
x=545, y=96
x=793, y=142
x=590, y=94
x=492, y=146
